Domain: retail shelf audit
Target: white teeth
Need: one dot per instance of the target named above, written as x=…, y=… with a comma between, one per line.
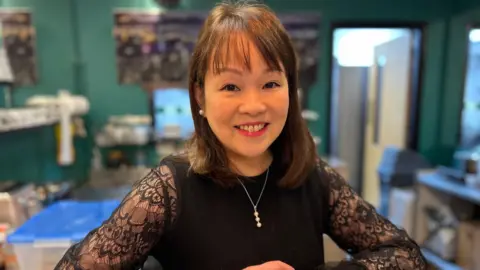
x=252, y=128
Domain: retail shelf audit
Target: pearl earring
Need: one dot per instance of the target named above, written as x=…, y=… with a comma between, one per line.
x=200, y=112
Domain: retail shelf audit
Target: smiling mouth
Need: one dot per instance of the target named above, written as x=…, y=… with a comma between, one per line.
x=252, y=128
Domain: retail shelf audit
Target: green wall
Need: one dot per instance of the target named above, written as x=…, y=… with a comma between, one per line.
x=97, y=50
x=29, y=155
x=455, y=70
x=443, y=93
x=109, y=98
x=55, y=54
x=76, y=51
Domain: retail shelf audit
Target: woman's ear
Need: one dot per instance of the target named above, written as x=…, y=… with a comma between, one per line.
x=199, y=97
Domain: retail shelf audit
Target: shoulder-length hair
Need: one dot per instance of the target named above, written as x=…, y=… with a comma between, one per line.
x=294, y=149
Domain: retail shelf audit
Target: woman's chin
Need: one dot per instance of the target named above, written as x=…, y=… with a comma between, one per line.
x=252, y=152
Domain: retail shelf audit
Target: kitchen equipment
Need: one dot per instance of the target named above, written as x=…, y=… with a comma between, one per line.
x=125, y=130
x=49, y=193
x=466, y=159
x=398, y=168
x=18, y=202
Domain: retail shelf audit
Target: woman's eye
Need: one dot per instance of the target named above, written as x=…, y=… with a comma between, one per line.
x=271, y=85
x=230, y=87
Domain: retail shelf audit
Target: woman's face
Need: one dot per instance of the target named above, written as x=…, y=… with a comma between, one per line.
x=246, y=106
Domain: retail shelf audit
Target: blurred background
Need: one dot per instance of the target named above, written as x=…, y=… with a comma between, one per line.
x=93, y=94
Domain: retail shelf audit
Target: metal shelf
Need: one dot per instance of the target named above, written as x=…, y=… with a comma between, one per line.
x=442, y=183
x=439, y=262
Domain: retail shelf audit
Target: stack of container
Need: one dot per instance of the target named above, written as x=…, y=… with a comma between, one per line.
x=41, y=241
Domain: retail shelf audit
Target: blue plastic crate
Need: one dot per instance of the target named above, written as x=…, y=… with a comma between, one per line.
x=63, y=221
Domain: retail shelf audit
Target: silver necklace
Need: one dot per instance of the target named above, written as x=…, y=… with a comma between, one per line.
x=255, y=212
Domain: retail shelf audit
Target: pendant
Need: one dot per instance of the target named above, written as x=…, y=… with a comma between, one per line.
x=257, y=218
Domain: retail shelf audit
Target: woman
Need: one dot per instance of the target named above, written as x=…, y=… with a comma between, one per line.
x=250, y=192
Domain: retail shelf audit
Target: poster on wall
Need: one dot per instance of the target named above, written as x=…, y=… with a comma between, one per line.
x=136, y=43
x=18, y=38
x=154, y=48
x=177, y=35
x=304, y=30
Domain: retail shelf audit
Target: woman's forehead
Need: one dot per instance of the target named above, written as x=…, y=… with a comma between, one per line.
x=239, y=51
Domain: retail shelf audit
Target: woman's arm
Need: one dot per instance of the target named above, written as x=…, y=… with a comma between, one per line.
x=126, y=238
x=372, y=240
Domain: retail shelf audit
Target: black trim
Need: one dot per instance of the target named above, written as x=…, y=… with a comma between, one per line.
x=363, y=117
x=378, y=103
x=416, y=83
x=153, y=138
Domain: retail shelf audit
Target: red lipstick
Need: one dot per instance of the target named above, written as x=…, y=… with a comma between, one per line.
x=251, y=129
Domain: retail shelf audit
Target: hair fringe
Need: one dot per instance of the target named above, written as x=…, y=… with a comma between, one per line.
x=294, y=147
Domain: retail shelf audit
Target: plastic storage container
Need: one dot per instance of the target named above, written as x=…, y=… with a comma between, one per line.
x=41, y=241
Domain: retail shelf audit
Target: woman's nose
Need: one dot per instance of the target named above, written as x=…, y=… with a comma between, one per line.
x=253, y=103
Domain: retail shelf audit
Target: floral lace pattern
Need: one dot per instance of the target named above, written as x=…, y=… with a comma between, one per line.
x=126, y=238
x=356, y=227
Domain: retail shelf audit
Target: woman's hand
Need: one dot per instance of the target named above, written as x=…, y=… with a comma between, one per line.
x=273, y=265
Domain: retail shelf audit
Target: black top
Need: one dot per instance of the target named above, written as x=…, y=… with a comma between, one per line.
x=187, y=221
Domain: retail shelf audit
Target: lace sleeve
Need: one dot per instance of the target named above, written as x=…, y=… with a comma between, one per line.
x=126, y=238
x=373, y=241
